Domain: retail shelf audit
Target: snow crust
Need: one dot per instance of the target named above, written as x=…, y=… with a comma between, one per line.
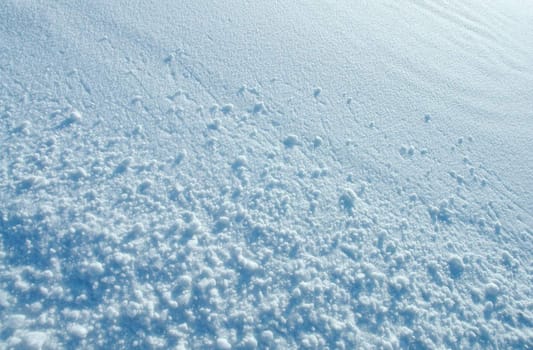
x=272, y=175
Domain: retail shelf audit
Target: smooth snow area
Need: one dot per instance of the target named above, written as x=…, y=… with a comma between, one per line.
x=264, y=174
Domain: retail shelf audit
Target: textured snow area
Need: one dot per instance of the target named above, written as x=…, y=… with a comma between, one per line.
x=258, y=174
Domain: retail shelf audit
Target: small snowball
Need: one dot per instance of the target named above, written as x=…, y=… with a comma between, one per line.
x=239, y=162
x=455, y=266
x=95, y=268
x=347, y=200
x=77, y=174
x=73, y=118
x=249, y=342
x=259, y=108
x=291, y=141
x=75, y=115
x=247, y=264
x=492, y=291
x=227, y=108
x=223, y=344
x=267, y=336
x=77, y=330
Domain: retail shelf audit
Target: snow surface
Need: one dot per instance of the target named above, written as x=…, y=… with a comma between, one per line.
x=263, y=174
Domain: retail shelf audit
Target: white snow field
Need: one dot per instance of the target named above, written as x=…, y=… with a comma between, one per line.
x=266, y=174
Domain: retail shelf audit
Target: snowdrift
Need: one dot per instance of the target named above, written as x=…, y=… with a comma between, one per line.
x=273, y=175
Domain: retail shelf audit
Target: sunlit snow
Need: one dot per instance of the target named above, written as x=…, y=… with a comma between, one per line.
x=266, y=174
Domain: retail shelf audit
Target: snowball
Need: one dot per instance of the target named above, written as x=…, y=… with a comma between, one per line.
x=239, y=163
x=249, y=342
x=73, y=118
x=77, y=330
x=75, y=115
x=227, y=108
x=223, y=344
x=259, y=107
x=455, y=266
x=267, y=336
x=291, y=140
x=95, y=268
x=347, y=200
x=77, y=174
x=492, y=291
x=247, y=264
